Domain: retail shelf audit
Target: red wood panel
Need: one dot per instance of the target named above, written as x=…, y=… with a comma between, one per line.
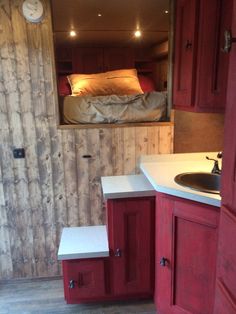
x=186, y=234
x=185, y=50
x=228, y=181
x=225, y=298
x=195, y=263
x=163, y=245
x=87, y=60
x=131, y=228
x=88, y=278
x=226, y=271
x=224, y=301
x=118, y=58
x=212, y=69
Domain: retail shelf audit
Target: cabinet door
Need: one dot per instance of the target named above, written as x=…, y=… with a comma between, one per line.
x=186, y=248
x=212, y=61
x=226, y=264
x=185, y=51
x=83, y=279
x=117, y=58
x=131, y=236
x=87, y=60
x=225, y=299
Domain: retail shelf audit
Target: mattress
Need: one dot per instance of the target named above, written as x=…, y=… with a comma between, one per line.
x=145, y=107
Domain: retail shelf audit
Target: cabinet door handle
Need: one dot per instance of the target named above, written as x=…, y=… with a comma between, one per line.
x=228, y=40
x=118, y=253
x=163, y=261
x=71, y=284
x=188, y=44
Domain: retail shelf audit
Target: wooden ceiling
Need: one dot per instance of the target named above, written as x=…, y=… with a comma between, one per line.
x=118, y=20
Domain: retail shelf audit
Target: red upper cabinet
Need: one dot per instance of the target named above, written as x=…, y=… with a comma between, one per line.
x=131, y=240
x=185, y=51
x=200, y=65
x=186, y=248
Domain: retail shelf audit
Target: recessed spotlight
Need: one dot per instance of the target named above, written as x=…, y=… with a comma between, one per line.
x=166, y=11
x=137, y=33
x=99, y=14
x=73, y=33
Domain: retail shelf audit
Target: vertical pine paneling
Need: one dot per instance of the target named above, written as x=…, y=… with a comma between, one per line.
x=54, y=185
x=129, y=151
x=71, y=177
x=141, y=144
x=82, y=150
x=165, y=140
x=118, y=151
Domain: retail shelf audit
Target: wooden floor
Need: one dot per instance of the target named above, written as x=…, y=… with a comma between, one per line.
x=41, y=297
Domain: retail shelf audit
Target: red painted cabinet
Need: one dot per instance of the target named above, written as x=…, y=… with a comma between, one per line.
x=85, y=279
x=131, y=241
x=200, y=65
x=129, y=270
x=225, y=298
x=186, y=250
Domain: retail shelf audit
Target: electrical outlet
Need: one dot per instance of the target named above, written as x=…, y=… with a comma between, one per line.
x=19, y=153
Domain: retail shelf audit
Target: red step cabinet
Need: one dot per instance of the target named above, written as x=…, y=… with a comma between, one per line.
x=186, y=249
x=85, y=279
x=129, y=270
x=131, y=241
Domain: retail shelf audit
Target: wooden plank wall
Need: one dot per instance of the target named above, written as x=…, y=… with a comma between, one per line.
x=54, y=186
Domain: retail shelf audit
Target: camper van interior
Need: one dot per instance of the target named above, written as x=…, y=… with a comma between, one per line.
x=117, y=156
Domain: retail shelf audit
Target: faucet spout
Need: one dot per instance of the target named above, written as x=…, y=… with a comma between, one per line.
x=215, y=169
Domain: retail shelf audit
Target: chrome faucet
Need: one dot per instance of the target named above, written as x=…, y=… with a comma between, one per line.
x=216, y=169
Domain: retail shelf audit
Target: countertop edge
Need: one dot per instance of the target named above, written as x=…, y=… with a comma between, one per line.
x=190, y=195
x=83, y=255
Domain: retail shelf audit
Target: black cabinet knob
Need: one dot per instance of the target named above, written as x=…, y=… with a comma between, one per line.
x=71, y=284
x=118, y=253
x=163, y=261
x=188, y=44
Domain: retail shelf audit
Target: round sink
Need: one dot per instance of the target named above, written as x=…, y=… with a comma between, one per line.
x=200, y=181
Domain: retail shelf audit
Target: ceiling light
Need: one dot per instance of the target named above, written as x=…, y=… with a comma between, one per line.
x=99, y=14
x=166, y=11
x=73, y=33
x=137, y=33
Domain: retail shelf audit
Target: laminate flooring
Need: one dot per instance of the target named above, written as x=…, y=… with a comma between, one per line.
x=46, y=297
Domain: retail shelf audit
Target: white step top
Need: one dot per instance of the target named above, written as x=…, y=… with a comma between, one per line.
x=83, y=242
x=126, y=186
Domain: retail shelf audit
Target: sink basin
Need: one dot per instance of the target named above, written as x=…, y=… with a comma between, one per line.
x=200, y=181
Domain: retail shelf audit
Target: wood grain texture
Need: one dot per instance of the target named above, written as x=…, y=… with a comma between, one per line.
x=53, y=186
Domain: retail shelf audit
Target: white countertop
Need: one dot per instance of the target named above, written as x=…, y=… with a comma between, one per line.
x=160, y=170
x=126, y=186
x=83, y=242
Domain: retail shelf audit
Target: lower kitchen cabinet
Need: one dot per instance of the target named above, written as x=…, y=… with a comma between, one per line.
x=186, y=250
x=131, y=241
x=85, y=279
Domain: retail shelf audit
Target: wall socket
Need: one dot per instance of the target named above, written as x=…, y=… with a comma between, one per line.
x=19, y=153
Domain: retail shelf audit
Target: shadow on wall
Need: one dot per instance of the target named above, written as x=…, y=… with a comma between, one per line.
x=198, y=132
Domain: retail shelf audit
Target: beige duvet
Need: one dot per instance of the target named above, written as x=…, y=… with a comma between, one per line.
x=114, y=108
